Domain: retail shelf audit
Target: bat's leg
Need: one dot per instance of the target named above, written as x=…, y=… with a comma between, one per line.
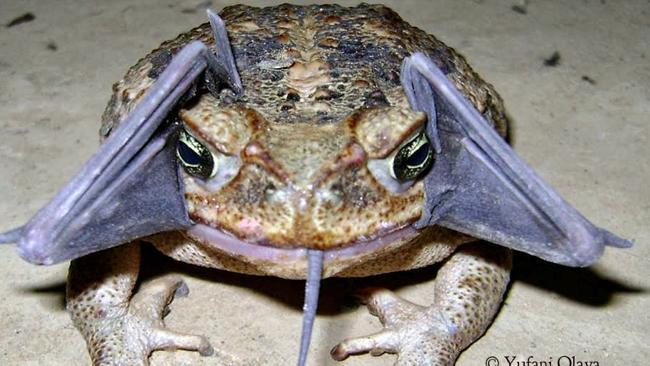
x=122, y=329
x=468, y=291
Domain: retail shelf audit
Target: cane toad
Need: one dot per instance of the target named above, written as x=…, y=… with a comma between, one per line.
x=333, y=139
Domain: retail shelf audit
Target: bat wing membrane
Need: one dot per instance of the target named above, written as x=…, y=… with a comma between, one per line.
x=131, y=186
x=481, y=187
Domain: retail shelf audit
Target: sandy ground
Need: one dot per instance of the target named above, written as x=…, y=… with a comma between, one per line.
x=582, y=124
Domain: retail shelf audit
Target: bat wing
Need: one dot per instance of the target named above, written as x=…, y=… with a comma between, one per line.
x=131, y=186
x=480, y=186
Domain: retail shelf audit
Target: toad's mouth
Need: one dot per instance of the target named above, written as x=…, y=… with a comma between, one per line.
x=239, y=248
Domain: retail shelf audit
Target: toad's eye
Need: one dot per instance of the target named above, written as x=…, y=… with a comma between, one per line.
x=413, y=159
x=195, y=158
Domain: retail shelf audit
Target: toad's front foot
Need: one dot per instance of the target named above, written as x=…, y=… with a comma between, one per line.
x=121, y=330
x=468, y=291
x=419, y=335
x=129, y=337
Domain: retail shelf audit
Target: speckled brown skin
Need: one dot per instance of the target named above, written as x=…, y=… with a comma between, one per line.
x=468, y=290
x=322, y=100
x=122, y=329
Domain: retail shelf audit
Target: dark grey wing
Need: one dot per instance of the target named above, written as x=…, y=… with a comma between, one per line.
x=131, y=187
x=480, y=186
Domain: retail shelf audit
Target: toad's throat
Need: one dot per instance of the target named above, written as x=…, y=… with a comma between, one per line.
x=255, y=252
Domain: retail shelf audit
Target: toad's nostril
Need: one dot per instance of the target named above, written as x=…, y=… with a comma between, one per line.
x=276, y=196
x=269, y=191
x=329, y=198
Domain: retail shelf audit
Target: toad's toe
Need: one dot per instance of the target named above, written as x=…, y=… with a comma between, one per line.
x=128, y=337
x=468, y=290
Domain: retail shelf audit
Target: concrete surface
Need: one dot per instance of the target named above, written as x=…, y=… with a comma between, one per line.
x=582, y=124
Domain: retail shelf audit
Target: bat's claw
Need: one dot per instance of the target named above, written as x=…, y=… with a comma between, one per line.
x=224, y=51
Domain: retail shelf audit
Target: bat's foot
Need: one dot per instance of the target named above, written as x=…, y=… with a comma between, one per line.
x=128, y=336
x=418, y=334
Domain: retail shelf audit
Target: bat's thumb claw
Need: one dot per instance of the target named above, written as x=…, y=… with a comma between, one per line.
x=612, y=240
x=11, y=236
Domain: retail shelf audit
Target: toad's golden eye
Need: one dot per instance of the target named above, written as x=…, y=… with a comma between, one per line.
x=413, y=159
x=195, y=158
